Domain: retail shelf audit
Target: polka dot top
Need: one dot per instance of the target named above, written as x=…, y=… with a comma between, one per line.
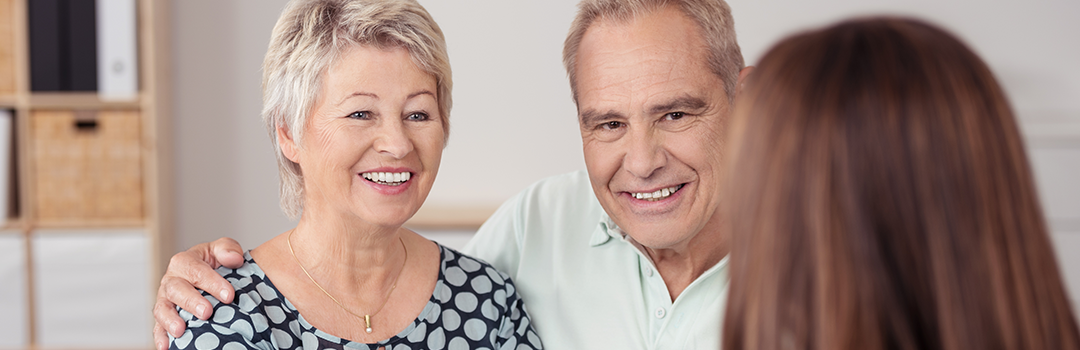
x=473, y=306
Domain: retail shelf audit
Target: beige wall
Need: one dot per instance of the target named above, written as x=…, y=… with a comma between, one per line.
x=226, y=181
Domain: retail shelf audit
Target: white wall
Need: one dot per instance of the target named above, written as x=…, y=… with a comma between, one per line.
x=226, y=181
x=513, y=122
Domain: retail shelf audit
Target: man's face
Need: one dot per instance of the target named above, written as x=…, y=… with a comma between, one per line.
x=651, y=114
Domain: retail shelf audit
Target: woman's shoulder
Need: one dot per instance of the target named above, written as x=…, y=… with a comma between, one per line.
x=256, y=310
x=470, y=283
x=482, y=300
x=459, y=268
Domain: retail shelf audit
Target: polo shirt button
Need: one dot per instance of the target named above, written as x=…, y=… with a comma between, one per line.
x=660, y=312
x=648, y=271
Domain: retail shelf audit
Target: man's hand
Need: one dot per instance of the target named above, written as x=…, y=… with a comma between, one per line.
x=187, y=271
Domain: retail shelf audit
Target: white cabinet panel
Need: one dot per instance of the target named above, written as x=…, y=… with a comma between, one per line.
x=92, y=288
x=13, y=301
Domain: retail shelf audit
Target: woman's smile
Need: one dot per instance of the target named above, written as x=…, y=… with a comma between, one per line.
x=387, y=178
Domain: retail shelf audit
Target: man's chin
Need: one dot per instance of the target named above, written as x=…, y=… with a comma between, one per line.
x=655, y=235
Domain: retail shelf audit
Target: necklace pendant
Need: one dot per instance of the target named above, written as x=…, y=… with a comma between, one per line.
x=369, y=329
x=367, y=322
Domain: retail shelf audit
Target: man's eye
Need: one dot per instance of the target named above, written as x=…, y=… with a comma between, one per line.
x=360, y=115
x=418, y=117
x=674, y=116
x=612, y=125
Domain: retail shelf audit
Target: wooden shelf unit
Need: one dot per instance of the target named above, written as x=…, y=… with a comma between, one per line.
x=155, y=223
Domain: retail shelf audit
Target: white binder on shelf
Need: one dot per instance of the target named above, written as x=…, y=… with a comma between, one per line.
x=6, y=170
x=118, y=68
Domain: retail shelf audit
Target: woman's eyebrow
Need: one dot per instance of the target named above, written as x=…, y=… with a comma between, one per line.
x=357, y=94
x=419, y=93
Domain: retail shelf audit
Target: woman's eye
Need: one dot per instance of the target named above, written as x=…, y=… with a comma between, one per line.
x=418, y=117
x=612, y=125
x=674, y=116
x=360, y=115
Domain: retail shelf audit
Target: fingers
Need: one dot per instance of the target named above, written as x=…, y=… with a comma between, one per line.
x=166, y=318
x=161, y=339
x=176, y=291
x=227, y=252
x=188, y=270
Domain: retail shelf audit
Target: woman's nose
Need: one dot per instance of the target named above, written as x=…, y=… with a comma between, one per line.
x=393, y=140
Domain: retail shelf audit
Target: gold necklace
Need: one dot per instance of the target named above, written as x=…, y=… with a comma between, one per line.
x=367, y=317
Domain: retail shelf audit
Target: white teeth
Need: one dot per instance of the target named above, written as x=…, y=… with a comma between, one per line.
x=392, y=179
x=658, y=194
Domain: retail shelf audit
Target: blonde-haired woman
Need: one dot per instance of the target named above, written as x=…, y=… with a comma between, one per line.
x=356, y=99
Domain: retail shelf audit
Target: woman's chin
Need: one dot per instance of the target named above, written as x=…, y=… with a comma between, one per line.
x=387, y=217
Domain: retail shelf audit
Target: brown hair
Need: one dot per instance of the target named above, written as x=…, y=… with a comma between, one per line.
x=880, y=198
x=713, y=17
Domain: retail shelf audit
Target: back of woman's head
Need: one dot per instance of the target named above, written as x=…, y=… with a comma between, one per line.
x=880, y=197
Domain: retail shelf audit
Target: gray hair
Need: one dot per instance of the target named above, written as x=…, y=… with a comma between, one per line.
x=310, y=35
x=712, y=16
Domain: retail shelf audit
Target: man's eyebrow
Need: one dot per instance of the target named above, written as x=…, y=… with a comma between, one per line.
x=593, y=116
x=688, y=103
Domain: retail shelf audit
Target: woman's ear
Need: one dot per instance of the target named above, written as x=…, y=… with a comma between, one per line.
x=287, y=144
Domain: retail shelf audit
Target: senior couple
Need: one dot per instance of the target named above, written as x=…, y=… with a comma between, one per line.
x=634, y=252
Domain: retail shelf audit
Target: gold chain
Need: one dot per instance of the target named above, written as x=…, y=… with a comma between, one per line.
x=366, y=317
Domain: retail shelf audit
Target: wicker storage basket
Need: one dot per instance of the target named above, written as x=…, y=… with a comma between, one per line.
x=87, y=166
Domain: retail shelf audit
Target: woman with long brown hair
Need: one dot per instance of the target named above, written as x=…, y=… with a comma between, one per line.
x=879, y=197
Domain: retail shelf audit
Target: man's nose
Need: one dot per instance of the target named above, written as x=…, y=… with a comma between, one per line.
x=644, y=154
x=393, y=139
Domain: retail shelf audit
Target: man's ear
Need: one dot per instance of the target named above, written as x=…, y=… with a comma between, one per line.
x=741, y=83
x=287, y=144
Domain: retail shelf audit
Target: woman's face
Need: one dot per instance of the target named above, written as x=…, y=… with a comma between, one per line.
x=373, y=143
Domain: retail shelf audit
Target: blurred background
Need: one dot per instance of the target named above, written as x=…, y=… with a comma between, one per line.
x=513, y=123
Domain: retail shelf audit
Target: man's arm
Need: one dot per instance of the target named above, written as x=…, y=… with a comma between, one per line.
x=187, y=271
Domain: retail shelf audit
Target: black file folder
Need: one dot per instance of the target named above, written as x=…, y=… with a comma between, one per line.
x=63, y=45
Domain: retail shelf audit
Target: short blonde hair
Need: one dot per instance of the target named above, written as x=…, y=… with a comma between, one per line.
x=310, y=35
x=712, y=16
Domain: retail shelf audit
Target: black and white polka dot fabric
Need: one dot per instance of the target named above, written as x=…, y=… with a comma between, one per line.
x=473, y=306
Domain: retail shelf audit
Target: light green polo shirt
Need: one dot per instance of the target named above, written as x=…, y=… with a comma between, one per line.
x=584, y=282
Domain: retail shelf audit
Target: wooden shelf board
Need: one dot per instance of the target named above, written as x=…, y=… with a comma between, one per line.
x=76, y=100
x=91, y=224
x=12, y=224
x=8, y=101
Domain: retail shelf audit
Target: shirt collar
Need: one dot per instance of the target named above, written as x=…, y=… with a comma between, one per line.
x=606, y=229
